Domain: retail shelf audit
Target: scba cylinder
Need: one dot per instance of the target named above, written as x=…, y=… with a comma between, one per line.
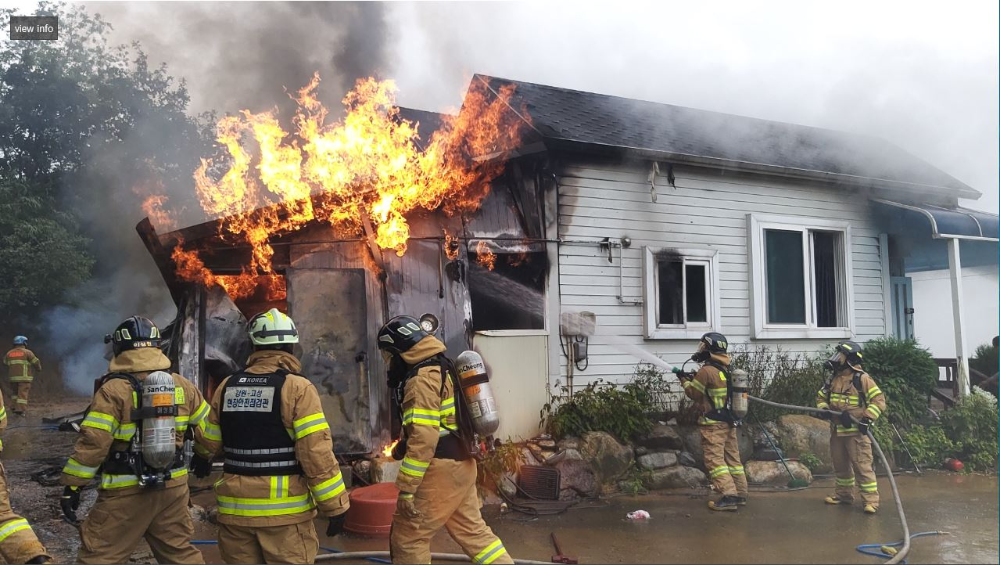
x=741, y=392
x=158, y=430
x=475, y=384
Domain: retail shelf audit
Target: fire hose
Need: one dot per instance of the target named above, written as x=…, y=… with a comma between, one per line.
x=905, y=549
x=382, y=556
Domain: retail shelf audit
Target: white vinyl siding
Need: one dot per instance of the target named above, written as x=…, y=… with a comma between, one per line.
x=708, y=210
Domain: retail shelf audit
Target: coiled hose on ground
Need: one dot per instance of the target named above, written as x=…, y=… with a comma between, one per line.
x=899, y=557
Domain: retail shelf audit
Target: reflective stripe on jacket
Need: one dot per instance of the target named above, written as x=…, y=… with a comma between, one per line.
x=108, y=427
x=844, y=396
x=277, y=500
x=21, y=364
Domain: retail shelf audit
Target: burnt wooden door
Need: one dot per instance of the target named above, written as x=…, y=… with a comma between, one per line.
x=330, y=310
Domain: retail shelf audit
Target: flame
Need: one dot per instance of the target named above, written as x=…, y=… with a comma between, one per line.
x=388, y=449
x=485, y=256
x=451, y=246
x=154, y=208
x=366, y=167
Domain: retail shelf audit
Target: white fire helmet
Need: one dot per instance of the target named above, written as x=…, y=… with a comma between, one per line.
x=273, y=328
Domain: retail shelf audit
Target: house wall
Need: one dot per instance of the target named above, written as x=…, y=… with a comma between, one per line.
x=707, y=209
x=933, y=323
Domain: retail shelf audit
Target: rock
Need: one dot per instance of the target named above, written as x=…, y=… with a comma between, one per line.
x=508, y=485
x=685, y=458
x=363, y=470
x=774, y=473
x=536, y=451
x=692, y=442
x=384, y=470
x=569, y=443
x=547, y=444
x=662, y=437
x=578, y=476
x=568, y=494
x=641, y=451
x=608, y=458
x=658, y=460
x=528, y=457
x=674, y=477
x=566, y=455
x=798, y=434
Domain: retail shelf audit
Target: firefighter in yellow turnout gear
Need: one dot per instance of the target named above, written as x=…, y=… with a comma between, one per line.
x=709, y=390
x=437, y=480
x=853, y=392
x=18, y=543
x=21, y=367
x=126, y=511
x=268, y=423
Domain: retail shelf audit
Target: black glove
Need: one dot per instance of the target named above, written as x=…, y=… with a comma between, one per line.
x=200, y=466
x=865, y=423
x=845, y=419
x=823, y=415
x=336, y=525
x=399, y=450
x=69, y=502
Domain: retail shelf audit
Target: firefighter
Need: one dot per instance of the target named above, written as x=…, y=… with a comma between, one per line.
x=135, y=501
x=437, y=479
x=18, y=543
x=268, y=422
x=853, y=393
x=21, y=366
x=709, y=389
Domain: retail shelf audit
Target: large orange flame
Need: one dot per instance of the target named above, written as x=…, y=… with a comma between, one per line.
x=368, y=166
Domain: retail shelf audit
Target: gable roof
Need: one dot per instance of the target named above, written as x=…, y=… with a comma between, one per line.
x=585, y=120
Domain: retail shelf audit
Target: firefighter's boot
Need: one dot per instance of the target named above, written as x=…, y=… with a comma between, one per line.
x=724, y=504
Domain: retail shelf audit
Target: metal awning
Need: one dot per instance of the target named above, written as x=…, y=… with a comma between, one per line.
x=954, y=223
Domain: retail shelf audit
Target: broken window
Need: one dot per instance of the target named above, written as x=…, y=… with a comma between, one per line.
x=511, y=294
x=679, y=292
x=800, y=275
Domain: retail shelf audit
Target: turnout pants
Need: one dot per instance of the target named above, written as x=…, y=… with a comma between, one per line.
x=446, y=498
x=19, y=398
x=722, y=459
x=293, y=543
x=117, y=523
x=852, y=461
x=18, y=542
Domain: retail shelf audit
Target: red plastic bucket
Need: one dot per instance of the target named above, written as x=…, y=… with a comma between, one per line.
x=372, y=509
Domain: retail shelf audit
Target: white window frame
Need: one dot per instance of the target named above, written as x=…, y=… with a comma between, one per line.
x=651, y=298
x=756, y=225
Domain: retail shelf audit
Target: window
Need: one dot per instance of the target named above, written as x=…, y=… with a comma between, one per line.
x=800, y=278
x=680, y=292
x=511, y=294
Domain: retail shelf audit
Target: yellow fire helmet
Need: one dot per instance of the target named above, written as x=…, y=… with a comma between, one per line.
x=272, y=328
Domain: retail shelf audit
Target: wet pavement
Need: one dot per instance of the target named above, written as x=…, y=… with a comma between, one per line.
x=777, y=527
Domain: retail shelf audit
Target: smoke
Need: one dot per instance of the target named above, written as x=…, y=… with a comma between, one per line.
x=237, y=56
x=75, y=334
x=924, y=80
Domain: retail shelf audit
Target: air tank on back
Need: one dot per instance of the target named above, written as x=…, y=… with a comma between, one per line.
x=158, y=432
x=475, y=383
x=741, y=390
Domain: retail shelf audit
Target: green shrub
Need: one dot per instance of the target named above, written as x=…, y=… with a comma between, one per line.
x=985, y=360
x=929, y=445
x=906, y=373
x=505, y=459
x=634, y=481
x=622, y=412
x=778, y=376
x=810, y=461
x=974, y=424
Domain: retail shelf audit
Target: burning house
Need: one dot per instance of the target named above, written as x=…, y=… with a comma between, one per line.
x=551, y=230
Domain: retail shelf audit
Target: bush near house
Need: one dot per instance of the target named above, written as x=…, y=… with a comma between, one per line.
x=906, y=373
x=985, y=360
x=622, y=411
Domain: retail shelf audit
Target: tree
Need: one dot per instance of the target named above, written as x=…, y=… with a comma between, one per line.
x=87, y=132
